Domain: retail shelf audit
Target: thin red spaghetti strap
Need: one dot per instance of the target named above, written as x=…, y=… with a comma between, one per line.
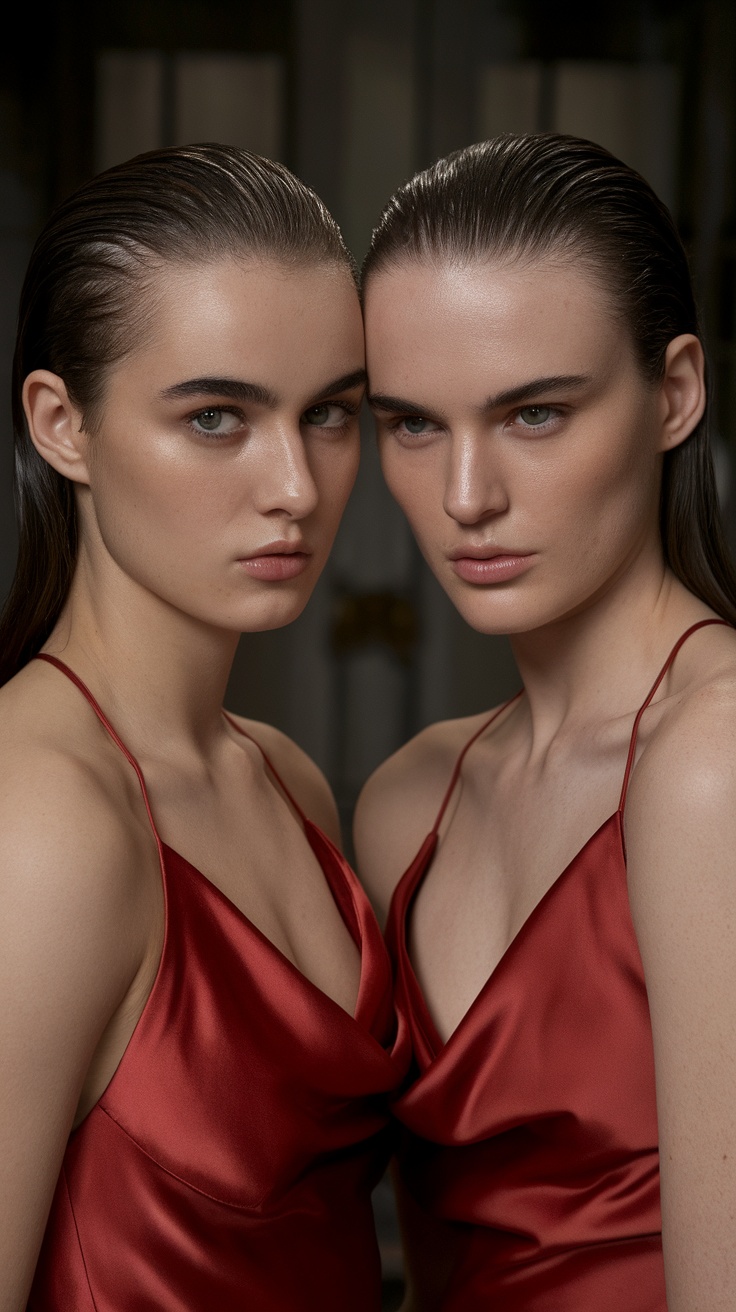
x=53, y=660
x=272, y=768
x=701, y=624
x=459, y=762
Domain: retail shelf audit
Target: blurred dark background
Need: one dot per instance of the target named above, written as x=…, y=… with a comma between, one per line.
x=354, y=95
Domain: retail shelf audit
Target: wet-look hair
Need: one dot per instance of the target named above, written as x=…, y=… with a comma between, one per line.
x=87, y=302
x=552, y=196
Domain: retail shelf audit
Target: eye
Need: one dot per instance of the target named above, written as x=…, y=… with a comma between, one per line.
x=416, y=426
x=327, y=415
x=535, y=415
x=216, y=422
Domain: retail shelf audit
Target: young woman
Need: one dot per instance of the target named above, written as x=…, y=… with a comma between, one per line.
x=197, y=1033
x=538, y=384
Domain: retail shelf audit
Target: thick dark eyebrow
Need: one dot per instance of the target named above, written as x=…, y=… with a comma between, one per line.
x=394, y=405
x=237, y=389
x=537, y=387
x=356, y=378
x=512, y=396
x=234, y=388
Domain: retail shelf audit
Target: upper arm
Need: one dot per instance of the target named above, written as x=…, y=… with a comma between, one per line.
x=681, y=840
x=69, y=953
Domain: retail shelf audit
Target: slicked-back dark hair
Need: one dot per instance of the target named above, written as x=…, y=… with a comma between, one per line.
x=85, y=305
x=548, y=195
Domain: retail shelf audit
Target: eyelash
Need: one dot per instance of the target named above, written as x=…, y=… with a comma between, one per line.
x=220, y=409
x=350, y=408
x=556, y=413
x=396, y=427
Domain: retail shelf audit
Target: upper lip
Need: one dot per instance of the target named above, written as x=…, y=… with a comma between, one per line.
x=488, y=552
x=279, y=548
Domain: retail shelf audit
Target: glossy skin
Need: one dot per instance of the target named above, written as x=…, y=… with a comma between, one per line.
x=564, y=479
x=175, y=492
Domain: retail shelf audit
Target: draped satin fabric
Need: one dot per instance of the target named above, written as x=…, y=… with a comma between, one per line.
x=230, y=1161
x=534, y=1128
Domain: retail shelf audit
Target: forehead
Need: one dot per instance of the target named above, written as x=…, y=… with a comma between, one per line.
x=445, y=324
x=222, y=316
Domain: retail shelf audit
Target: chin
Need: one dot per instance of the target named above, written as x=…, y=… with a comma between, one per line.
x=272, y=613
x=495, y=611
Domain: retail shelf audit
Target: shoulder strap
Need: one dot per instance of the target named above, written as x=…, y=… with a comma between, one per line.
x=701, y=624
x=75, y=679
x=269, y=765
x=459, y=762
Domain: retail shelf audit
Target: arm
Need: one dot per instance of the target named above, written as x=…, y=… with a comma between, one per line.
x=681, y=838
x=72, y=942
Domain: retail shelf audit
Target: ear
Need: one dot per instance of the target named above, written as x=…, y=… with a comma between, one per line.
x=682, y=390
x=55, y=425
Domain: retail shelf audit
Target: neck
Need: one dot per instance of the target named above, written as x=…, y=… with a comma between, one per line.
x=158, y=673
x=600, y=661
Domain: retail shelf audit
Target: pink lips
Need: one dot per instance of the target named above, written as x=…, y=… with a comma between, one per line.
x=276, y=562
x=491, y=566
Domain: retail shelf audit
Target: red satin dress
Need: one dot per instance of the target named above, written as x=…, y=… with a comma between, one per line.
x=534, y=1128
x=230, y=1161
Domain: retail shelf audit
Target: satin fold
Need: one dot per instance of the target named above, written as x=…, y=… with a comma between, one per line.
x=230, y=1162
x=534, y=1127
x=533, y=1131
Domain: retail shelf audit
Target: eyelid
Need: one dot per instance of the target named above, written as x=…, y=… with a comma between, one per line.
x=539, y=405
x=227, y=408
x=233, y=410
x=348, y=409
x=557, y=411
x=395, y=425
x=350, y=406
x=395, y=420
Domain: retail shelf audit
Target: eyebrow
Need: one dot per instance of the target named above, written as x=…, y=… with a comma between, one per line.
x=553, y=383
x=394, y=404
x=237, y=389
x=512, y=396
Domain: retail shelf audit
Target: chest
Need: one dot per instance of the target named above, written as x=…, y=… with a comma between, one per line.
x=510, y=834
x=240, y=833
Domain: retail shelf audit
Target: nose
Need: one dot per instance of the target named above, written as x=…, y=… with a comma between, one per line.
x=284, y=484
x=474, y=488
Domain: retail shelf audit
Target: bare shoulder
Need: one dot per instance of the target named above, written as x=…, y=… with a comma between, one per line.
x=302, y=776
x=72, y=848
x=399, y=803
x=690, y=752
x=682, y=800
x=681, y=847
x=69, y=854
x=74, y=928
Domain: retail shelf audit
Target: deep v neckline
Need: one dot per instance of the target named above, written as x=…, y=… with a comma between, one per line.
x=353, y=925
x=347, y=907
x=419, y=869
x=411, y=882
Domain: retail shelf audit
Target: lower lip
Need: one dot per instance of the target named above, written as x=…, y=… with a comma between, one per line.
x=277, y=568
x=496, y=569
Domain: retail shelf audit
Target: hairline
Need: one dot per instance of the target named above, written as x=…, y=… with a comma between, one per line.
x=148, y=265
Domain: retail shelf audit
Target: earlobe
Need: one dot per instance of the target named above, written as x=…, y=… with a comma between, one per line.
x=683, y=390
x=54, y=424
